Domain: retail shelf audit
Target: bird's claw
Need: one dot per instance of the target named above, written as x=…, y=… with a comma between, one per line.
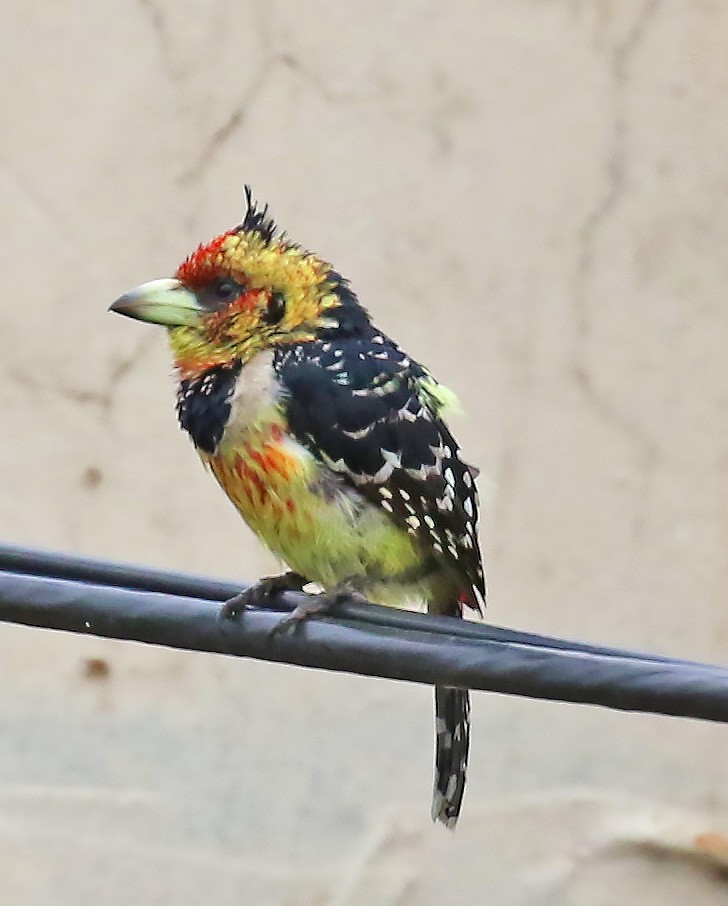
x=238, y=603
x=313, y=604
x=291, y=621
x=259, y=595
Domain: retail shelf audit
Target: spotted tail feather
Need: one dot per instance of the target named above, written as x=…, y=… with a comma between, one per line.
x=452, y=741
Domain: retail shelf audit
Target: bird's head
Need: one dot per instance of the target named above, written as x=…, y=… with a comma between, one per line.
x=247, y=290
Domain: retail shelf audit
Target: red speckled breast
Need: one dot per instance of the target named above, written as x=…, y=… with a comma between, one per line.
x=267, y=479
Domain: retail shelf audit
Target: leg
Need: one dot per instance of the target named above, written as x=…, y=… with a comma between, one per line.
x=258, y=595
x=344, y=592
x=349, y=590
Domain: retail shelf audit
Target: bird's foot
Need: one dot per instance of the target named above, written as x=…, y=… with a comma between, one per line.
x=325, y=602
x=259, y=595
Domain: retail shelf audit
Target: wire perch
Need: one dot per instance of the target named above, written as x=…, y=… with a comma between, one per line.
x=119, y=601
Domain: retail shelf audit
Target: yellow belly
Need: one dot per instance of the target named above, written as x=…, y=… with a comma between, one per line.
x=308, y=516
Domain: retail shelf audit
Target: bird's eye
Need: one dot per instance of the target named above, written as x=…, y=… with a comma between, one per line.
x=276, y=308
x=224, y=290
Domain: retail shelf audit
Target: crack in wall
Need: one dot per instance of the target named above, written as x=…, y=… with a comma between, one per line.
x=162, y=38
x=271, y=61
x=39, y=205
x=622, y=58
x=331, y=97
x=438, y=125
x=236, y=119
x=103, y=399
x=448, y=106
x=225, y=131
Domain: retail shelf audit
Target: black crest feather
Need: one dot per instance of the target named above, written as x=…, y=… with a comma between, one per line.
x=256, y=219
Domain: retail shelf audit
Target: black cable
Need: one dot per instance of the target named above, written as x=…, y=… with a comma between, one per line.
x=420, y=648
x=125, y=575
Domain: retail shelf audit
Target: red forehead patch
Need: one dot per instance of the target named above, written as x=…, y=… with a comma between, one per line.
x=202, y=265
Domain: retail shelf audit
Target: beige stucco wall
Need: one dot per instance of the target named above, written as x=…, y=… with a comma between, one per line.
x=533, y=198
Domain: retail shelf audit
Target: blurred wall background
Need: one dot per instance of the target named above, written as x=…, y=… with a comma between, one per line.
x=532, y=197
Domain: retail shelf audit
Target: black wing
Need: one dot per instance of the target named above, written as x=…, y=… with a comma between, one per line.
x=364, y=408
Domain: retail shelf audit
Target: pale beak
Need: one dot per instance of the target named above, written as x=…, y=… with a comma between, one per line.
x=164, y=301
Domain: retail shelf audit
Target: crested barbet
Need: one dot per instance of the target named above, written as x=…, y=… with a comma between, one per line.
x=328, y=439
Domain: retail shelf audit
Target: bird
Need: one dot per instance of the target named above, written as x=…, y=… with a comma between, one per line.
x=328, y=438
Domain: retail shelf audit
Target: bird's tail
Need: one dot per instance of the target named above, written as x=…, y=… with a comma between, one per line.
x=452, y=741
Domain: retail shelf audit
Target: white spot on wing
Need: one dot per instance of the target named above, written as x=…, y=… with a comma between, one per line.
x=394, y=458
x=358, y=435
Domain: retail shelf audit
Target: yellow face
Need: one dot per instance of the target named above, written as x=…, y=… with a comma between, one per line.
x=241, y=293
